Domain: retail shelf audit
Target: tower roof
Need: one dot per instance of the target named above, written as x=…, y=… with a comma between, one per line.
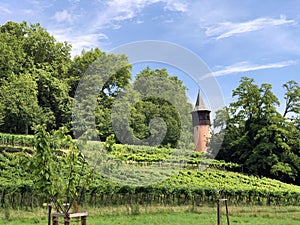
x=200, y=105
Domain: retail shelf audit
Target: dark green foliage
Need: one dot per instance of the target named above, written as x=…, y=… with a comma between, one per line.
x=16, y=140
x=161, y=96
x=150, y=108
x=18, y=95
x=257, y=136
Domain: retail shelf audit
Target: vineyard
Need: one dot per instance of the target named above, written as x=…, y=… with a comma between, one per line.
x=189, y=186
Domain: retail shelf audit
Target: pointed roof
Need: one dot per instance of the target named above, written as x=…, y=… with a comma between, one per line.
x=200, y=105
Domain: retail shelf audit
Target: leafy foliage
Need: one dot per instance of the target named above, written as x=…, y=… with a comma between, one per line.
x=161, y=96
x=33, y=68
x=257, y=135
x=18, y=96
x=16, y=140
x=52, y=167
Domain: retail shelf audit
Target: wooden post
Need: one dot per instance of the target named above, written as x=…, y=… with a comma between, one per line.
x=67, y=220
x=219, y=211
x=83, y=220
x=49, y=213
x=55, y=220
x=227, y=215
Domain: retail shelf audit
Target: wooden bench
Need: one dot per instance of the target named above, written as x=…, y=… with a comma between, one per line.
x=68, y=217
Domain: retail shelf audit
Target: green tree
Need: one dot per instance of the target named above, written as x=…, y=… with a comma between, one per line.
x=257, y=135
x=33, y=47
x=53, y=97
x=102, y=77
x=162, y=96
x=79, y=66
x=58, y=168
x=45, y=52
x=292, y=98
x=114, y=83
x=1, y=113
x=12, y=58
x=30, y=50
x=18, y=96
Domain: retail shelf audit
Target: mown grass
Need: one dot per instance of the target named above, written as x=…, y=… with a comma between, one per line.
x=137, y=215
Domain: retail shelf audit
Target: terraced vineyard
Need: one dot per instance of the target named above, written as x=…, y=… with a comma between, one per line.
x=188, y=186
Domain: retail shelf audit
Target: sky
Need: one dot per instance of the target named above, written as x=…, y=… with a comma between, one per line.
x=234, y=38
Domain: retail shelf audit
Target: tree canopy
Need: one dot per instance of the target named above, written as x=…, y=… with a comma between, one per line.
x=162, y=96
x=39, y=81
x=257, y=136
x=33, y=72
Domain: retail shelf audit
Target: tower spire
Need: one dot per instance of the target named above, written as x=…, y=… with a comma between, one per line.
x=200, y=105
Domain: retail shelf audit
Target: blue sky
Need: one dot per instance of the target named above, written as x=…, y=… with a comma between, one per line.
x=258, y=39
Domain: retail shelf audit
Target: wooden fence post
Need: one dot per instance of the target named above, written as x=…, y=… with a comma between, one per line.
x=227, y=215
x=219, y=211
x=55, y=220
x=67, y=219
x=49, y=213
x=83, y=220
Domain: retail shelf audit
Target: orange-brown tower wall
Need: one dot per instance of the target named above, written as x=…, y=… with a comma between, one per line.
x=201, y=137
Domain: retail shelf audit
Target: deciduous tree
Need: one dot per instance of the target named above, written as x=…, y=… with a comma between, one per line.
x=257, y=135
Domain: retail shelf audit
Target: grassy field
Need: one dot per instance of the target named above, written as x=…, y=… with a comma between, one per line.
x=166, y=216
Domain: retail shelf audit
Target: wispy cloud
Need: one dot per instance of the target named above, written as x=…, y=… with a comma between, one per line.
x=174, y=5
x=74, y=1
x=63, y=16
x=139, y=22
x=5, y=10
x=111, y=14
x=40, y=5
x=116, y=11
x=228, y=29
x=246, y=66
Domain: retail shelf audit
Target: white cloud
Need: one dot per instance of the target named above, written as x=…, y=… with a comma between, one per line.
x=177, y=6
x=63, y=16
x=74, y=1
x=28, y=12
x=35, y=2
x=5, y=10
x=79, y=41
x=139, y=22
x=40, y=5
x=109, y=14
x=228, y=29
x=118, y=10
x=246, y=66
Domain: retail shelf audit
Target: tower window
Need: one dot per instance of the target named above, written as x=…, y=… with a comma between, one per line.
x=202, y=117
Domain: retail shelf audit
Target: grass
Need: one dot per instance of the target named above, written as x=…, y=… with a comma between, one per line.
x=165, y=216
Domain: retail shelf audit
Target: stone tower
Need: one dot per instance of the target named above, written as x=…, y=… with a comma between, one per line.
x=201, y=123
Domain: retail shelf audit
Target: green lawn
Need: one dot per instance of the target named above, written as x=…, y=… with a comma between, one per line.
x=239, y=216
x=168, y=219
x=186, y=218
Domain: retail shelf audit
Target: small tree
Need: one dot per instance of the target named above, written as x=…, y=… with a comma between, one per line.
x=59, y=169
